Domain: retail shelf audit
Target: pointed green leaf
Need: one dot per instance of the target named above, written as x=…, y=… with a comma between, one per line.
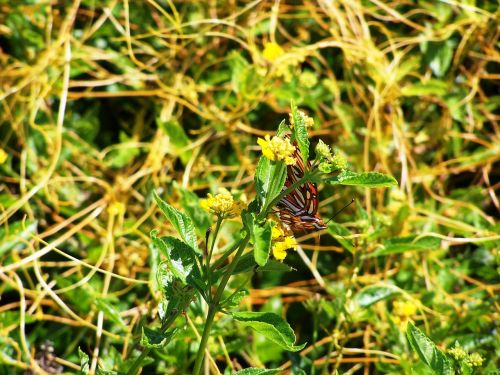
x=275, y=266
x=270, y=177
x=339, y=232
x=427, y=351
x=110, y=312
x=366, y=179
x=271, y=326
x=262, y=242
x=154, y=338
x=190, y=202
x=409, y=243
x=300, y=133
x=181, y=258
x=234, y=299
x=177, y=137
x=84, y=362
x=181, y=222
x=372, y=294
x=258, y=371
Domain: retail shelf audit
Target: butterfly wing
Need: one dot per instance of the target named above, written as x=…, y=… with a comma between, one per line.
x=299, y=209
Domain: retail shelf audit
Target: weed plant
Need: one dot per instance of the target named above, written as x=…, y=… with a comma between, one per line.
x=121, y=124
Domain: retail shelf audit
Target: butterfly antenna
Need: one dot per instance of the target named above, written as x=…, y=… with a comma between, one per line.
x=339, y=211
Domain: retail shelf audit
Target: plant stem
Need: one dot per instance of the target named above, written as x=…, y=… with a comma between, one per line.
x=209, y=256
x=214, y=306
x=137, y=363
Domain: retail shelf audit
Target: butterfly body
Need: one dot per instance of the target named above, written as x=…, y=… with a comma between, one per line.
x=299, y=209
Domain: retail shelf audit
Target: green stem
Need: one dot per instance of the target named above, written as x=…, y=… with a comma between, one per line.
x=224, y=256
x=209, y=256
x=137, y=363
x=214, y=306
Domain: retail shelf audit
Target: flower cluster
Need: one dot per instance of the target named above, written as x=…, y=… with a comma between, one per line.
x=309, y=121
x=277, y=148
x=402, y=311
x=223, y=204
x=281, y=243
x=272, y=51
x=329, y=162
x=475, y=360
x=460, y=354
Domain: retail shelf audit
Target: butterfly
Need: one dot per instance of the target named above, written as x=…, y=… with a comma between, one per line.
x=299, y=209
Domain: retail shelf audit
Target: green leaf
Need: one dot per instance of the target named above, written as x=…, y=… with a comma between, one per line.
x=372, y=294
x=338, y=231
x=300, y=133
x=181, y=222
x=262, y=242
x=427, y=351
x=84, y=362
x=365, y=179
x=123, y=155
x=234, y=299
x=154, y=338
x=154, y=265
x=271, y=326
x=431, y=87
x=409, y=243
x=190, y=202
x=109, y=311
x=246, y=263
x=275, y=266
x=14, y=235
x=438, y=55
x=258, y=371
x=178, y=139
x=181, y=258
x=270, y=177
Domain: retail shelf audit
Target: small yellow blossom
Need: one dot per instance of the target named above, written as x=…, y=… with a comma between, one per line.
x=475, y=360
x=3, y=156
x=339, y=161
x=277, y=232
x=457, y=352
x=280, y=247
x=308, y=79
x=277, y=149
x=116, y=208
x=222, y=204
x=309, y=121
x=272, y=51
x=323, y=151
x=404, y=309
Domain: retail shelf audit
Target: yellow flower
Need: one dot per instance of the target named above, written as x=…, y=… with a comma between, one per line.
x=404, y=309
x=280, y=247
x=3, y=156
x=323, y=151
x=309, y=121
x=277, y=149
x=308, y=79
x=272, y=51
x=222, y=204
x=277, y=232
x=457, y=352
x=475, y=360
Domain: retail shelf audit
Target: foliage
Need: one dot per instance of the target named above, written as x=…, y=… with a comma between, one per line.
x=113, y=111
